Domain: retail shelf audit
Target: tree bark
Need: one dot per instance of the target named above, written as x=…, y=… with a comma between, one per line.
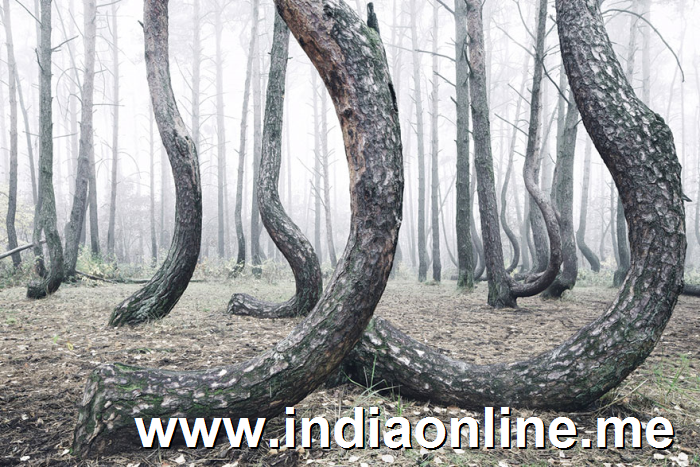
x=420, y=128
x=286, y=235
x=152, y=170
x=637, y=146
x=316, y=184
x=12, y=84
x=238, y=214
x=581, y=232
x=45, y=219
x=76, y=222
x=157, y=298
x=434, y=150
x=352, y=63
x=111, y=226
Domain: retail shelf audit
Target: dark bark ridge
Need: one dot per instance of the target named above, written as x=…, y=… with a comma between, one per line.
x=157, y=298
x=287, y=236
x=637, y=146
x=351, y=60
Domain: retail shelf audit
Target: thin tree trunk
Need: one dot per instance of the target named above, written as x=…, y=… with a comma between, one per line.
x=316, y=188
x=255, y=253
x=563, y=197
x=641, y=156
x=115, y=136
x=28, y=136
x=284, y=375
x=45, y=220
x=581, y=232
x=286, y=235
x=240, y=233
x=435, y=148
x=327, y=180
x=157, y=298
x=12, y=82
x=152, y=170
x=420, y=128
x=220, y=134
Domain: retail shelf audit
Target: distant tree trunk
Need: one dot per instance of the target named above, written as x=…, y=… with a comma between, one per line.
x=12, y=81
x=92, y=202
x=316, y=188
x=640, y=154
x=284, y=375
x=435, y=148
x=563, y=197
x=76, y=223
x=115, y=136
x=327, y=180
x=28, y=136
x=509, y=173
x=420, y=128
x=240, y=233
x=255, y=253
x=157, y=298
x=286, y=235
x=152, y=170
x=646, y=51
x=465, y=256
x=581, y=232
x=220, y=134
x=45, y=219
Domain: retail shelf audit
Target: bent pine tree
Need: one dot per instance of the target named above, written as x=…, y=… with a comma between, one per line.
x=637, y=146
x=352, y=63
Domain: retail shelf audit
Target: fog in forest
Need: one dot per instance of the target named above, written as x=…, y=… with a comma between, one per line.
x=654, y=39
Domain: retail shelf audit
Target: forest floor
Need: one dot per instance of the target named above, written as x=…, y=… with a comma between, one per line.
x=49, y=347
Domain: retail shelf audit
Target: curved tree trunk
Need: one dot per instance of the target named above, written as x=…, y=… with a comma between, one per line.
x=637, y=146
x=76, y=224
x=581, y=232
x=286, y=235
x=563, y=195
x=45, y=218
x=351, y=60
x=155, y=300
x=238, y=214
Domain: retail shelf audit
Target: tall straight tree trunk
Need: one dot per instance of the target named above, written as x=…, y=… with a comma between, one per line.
x=12, y=84
x=196, y=70
x=327, y=180
x=581, y=232
x=420, y=128
x=45, y=219
x=465, y=258
x=255, y=252
x=152, y=170
x=220, y=134
x=76, y=223
x=316, y=191
x=352, y=62
x=115, y=136
x=240, y=233
x=286, y=235
x=158, y=297
x=28, y=136
x=640, y=154
x=434, y=149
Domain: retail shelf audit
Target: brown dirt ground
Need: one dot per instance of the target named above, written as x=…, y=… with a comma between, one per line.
x=48, y=347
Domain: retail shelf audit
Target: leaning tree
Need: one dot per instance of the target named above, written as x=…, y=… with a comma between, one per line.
x=295, y=247
x=352, y=63
x=637, y=147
